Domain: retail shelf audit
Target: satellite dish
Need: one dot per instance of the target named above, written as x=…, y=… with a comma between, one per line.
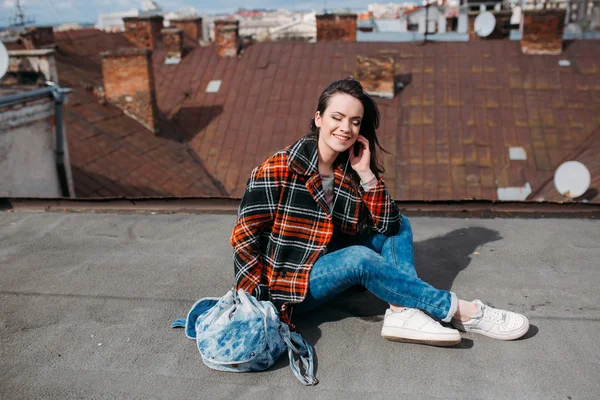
x=485, y=24
x=572, y=179
x=3, y=60
x=574, y=30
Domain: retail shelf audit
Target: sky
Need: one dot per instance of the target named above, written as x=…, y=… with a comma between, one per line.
x=50, y=12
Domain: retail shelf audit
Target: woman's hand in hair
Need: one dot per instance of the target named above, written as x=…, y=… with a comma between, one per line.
x=361, y=162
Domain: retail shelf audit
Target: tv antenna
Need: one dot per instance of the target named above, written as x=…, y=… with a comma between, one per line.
x=427, y=5
x=19, y=20
x=572, y=179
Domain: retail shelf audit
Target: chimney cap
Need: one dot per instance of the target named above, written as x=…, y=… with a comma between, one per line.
x=33, y=28
x=171, y=30
x=226, y=22
x=333, y=15
x=31, y=52
x=227, y=25
x=143, y=17
x=186, y=19
x=127, y=51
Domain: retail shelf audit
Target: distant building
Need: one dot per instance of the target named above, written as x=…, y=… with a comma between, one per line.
x=446, y=23
x=390, y=10
x=67, y=27
x=271, y=25
x=34, y=156
x=303, y=28
x=113, y=22
x=182, y=13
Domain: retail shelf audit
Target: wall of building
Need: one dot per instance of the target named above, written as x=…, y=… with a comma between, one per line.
x=27, y=150
x=40, y=61
x=410, y=37
x=302, y=30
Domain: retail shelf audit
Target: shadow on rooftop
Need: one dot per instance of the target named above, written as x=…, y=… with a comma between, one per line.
x=439, y=260
x=89, y=184
x=183, y=123
x=533, y=330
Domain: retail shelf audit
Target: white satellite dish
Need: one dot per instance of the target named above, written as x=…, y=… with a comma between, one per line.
x=572, y=179
x=574, y=30
x=3, y=60
x=485, y=24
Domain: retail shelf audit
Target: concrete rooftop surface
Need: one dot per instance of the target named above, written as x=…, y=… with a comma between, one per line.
x=87, y=299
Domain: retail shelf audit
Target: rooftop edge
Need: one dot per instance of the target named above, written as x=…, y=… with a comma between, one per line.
x=227, y=205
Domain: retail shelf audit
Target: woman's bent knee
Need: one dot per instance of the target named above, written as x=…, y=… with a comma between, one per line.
x=405, y=225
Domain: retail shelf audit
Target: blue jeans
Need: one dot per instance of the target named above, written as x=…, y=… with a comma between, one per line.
x=385, y=266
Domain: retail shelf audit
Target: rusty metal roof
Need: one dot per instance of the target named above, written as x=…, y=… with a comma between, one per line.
x=588, y=153
x=111, y=154
x=449, y=130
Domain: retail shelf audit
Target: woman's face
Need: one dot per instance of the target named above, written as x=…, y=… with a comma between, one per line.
x=340, y=122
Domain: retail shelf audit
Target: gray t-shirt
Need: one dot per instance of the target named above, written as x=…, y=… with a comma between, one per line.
x=327, y=182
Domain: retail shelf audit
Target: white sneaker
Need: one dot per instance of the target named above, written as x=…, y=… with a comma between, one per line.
x=497, y=324
x=414, y=326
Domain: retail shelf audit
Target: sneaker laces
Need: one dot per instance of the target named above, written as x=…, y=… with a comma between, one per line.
x=492, y=314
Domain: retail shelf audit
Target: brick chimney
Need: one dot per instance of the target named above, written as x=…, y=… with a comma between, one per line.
x=32, y=66
x=129, y=84
x=227, y=37
x=37, y=37
x=472, y=15
x=191, y=27
x=336, y=28
x=376, y=75
x=173, y=45
x=143, y=31
x=542, y=31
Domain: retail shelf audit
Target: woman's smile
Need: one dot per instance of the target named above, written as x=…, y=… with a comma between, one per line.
x=341, y=138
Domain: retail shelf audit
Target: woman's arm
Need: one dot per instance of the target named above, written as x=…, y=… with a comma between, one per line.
x=255, y=215
x=384, y=214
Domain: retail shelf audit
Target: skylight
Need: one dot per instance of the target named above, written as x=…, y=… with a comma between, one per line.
x=213, y=86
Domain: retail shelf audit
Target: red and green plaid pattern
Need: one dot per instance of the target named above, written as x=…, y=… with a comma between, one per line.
x=285, y=224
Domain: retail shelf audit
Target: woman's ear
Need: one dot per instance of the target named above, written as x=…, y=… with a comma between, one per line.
x=318, y=119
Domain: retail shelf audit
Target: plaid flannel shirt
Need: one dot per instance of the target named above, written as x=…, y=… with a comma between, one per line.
x=285, y=223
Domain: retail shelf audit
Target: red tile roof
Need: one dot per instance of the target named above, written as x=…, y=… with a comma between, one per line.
x=111, y=154
x=449, y=129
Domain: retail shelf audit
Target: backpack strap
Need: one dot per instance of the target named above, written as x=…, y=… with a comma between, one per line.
x=297, y=346
x=178, y=323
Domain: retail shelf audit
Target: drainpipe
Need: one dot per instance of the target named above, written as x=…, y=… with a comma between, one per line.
x=58, y=94
x=59, y=98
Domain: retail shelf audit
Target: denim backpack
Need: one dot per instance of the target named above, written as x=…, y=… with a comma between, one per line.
x=238, y=333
